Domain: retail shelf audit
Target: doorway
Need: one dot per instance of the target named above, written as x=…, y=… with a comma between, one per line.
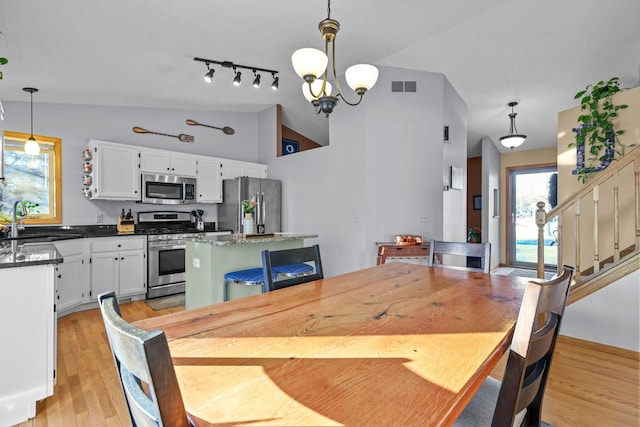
x=527, y=187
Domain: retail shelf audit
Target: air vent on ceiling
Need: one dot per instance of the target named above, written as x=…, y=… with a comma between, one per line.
x=399, y=86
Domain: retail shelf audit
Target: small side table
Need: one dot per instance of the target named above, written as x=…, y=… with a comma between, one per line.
x=394, y=250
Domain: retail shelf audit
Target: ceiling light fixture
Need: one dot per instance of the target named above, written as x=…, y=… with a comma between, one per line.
x=311, y=64
x=208, y=77
x=256, y=81
x=513, y=139
x=237, y=79
x=31, y=147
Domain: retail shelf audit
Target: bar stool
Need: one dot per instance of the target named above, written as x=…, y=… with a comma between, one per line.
x=249, y=277
x=294, y=270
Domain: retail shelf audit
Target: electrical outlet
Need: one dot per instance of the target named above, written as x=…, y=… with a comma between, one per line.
x=196, y=263
x=425, y=218
x=99, y=218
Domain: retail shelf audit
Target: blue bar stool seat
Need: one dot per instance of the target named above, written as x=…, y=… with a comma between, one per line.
x=250, y=276
x=294, y=270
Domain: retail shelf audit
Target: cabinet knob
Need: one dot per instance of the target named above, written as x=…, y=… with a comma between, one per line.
x=59, y=276
x=116, y=258
x=122, y=258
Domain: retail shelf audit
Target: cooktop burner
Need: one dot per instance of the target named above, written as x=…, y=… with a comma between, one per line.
x=165, y=222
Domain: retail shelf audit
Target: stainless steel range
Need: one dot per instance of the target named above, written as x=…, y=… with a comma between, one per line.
x=167, y=231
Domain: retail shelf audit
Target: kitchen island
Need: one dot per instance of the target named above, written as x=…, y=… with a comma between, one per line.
x=209, y=259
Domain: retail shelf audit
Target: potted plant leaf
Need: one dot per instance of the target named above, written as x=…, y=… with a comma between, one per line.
x=596, y=136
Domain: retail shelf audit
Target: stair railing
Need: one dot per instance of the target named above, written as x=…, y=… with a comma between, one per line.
x=593, y=188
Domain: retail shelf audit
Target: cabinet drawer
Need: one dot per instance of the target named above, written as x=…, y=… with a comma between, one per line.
x=410, y=250
x=114, y=244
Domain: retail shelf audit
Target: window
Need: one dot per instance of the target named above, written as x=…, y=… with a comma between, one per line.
x=34, y=179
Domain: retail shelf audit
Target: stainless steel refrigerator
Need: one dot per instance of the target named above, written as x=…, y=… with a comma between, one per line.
x=266, y=192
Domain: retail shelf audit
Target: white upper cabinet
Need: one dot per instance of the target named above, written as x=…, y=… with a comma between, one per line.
x=209, y=180
x=167, y=162
x=234, y=168
x=116, y=172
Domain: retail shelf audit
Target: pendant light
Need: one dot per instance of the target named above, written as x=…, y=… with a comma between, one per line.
x=311, y=64
x=31, y=147
x=513, y=139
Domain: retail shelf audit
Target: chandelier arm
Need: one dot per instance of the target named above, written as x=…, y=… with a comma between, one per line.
x=335, y=77
x=324, y=79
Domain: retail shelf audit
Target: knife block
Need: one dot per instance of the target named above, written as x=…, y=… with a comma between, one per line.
x=126, y=226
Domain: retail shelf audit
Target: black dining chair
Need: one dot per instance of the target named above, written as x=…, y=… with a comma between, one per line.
x=145, y=368
x=477, y=251
x=517, y=400
x=293, y=266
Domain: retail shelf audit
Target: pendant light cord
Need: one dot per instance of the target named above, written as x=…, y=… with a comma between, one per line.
x=31, y=114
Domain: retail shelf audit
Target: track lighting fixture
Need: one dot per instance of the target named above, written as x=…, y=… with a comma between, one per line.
x=208, y=77
x=256, y=81
x=237, y=79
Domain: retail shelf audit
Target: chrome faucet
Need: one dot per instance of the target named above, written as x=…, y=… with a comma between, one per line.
x=14, y=224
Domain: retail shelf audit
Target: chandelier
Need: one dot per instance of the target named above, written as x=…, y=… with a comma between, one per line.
x=513, y=139
x=311, y=64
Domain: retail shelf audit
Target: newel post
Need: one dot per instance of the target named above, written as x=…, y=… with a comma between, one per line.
x=541, y=220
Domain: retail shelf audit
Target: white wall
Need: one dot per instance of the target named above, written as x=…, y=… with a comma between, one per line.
x=76, y=124
x=454, y=227
x=609, y=316
x=490, y=181
x=382, y=172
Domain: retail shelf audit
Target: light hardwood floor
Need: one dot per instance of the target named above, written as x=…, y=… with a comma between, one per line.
x=589, y=385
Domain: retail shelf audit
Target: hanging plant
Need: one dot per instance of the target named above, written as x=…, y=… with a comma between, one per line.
x=596, y=137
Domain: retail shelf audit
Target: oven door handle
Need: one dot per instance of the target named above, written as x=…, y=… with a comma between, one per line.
x=159, y=248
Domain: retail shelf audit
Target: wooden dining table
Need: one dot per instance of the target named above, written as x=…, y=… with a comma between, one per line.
x=393, y=345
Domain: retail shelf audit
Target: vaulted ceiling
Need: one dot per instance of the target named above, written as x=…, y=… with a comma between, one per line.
x=140, y=53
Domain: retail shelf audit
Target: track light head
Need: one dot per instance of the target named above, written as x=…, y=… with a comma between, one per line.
x=209, y=76
x=237, y=79
x=276, y=80
x=256, y=81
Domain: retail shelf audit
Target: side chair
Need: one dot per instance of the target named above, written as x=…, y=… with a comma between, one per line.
x=478, y=250
x=517, y=400
x=289, y=261
x=145, y=368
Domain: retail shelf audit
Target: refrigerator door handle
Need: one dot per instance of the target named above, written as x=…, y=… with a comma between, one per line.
x=264, y=209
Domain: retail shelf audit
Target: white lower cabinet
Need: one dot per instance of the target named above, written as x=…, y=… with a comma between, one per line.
x=72, y=275
x=118, y=264
x=28, y=337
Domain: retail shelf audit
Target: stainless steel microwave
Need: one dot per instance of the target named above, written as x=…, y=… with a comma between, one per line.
x=168, y=189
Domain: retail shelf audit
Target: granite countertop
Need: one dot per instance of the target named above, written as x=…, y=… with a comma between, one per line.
x=28, y=255
x=52, y=233
x=247, y=239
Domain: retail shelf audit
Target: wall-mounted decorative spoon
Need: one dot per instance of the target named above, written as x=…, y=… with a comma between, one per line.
x=182, y=137
x=226, y=129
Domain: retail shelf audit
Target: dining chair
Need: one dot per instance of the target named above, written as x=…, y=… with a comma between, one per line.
x=290, y=263
x=517, y=400
x=477, y=250
x=145, y=368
